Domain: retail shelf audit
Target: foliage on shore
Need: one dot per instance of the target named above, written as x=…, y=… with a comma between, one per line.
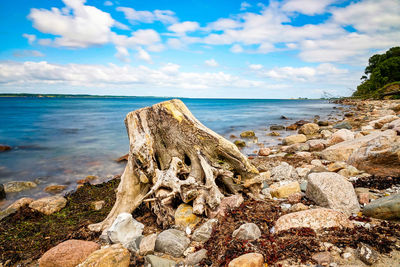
x=383, y=71
x=27, y=234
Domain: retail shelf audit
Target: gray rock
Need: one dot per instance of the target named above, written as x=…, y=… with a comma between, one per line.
x=133, y=245
x=203, y=233
x=384, y=208
x=282, y=172
x=332, y=190
x=125, y=229
x=247, y=231
x=172, y=242
x=343, y=125
x=18, y=186
x=303, y=186
x=367, y=254
x=277, y=127
x=2, y=192
x=155, y=261
x=196, y=258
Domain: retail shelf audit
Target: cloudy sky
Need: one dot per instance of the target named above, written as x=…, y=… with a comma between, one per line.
x=192, y=48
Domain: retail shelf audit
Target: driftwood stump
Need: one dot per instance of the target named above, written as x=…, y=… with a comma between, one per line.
x=173, y=158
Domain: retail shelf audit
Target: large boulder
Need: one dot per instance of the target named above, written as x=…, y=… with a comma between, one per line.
x=309, y=129
x=332, y=190
x=343, y=150
x=248, y=260
x=384, y=208
x=172, y=242
x=125, y=229
x=48, y=205
x=316, y=219
x=68, y=254
x=377, y=124
x=111, y=256
x=379, y=156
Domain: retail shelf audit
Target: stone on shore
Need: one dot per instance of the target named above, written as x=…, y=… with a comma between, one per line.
x=292, y=127
x=154, y=261
x=248, y=260
x=240, y=143
x=276, y=128
x=18, y=186
x=332, y=190
x=4, y=148
x=195, y=258
x=48, y=205
x=326, y=134
x=68, y=254
x=316, y=145
x=379, y=156
x=226, y=203
x=148, y=244
x=184, y=217
x=247, y=134
x=55, y=189
x=21, y=202
x=342, y=151
x=284, y=189
x=377, y=124
x=110, y=256
x=293, y=139
x=172, y=242
x=203, y=233
x=386, y=208
x=264, y=151
x=343, y=125
x=125, y=229
x=2, y=192
x=316, y=219
x=247, y=231
x=367, y=254
x=309, y=129
x=97, y=205
x=282, y=172
x=336, y=166
x=341, y=136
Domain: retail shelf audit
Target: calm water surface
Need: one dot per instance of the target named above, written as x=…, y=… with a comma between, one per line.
x=62, y=140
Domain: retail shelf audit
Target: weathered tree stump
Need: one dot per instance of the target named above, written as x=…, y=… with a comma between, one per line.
x=173, y=158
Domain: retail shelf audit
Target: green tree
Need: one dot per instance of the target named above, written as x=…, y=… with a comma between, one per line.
x=381, y=70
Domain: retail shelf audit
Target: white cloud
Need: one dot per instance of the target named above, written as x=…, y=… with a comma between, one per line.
x=134, y=16
x=28, y=53
x=308, y=7
x=168, y=76
x=143, y=55
x=370, y=15
x=255, y=66
x=108, y=3
x=184, y=27
x=303, y=74
x=223, y=24
x=122, y=54
x=211, y=63
x=236, y=48
x=77, y=25
x=31, y=37
x=244, y=6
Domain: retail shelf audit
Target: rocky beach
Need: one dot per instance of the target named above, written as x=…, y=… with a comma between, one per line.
x=326, y=193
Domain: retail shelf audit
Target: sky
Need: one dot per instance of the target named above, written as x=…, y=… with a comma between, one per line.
x=192, y=48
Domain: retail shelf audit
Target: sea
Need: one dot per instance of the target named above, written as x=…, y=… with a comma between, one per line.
x=62, y=140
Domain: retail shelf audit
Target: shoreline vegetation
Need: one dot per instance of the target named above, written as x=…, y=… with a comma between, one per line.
x=329, y=195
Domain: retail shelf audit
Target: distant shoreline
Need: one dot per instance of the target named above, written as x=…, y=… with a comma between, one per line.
x=4, y=95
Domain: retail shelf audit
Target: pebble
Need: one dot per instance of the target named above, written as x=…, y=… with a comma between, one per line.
x=48, y=205
x=247, y=231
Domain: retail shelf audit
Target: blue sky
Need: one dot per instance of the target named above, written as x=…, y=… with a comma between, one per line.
x=240, y=49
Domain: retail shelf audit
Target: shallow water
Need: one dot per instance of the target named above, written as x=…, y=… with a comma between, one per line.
x=62, y=140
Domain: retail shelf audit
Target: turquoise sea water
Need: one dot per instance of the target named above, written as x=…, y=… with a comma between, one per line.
x=62, y=140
